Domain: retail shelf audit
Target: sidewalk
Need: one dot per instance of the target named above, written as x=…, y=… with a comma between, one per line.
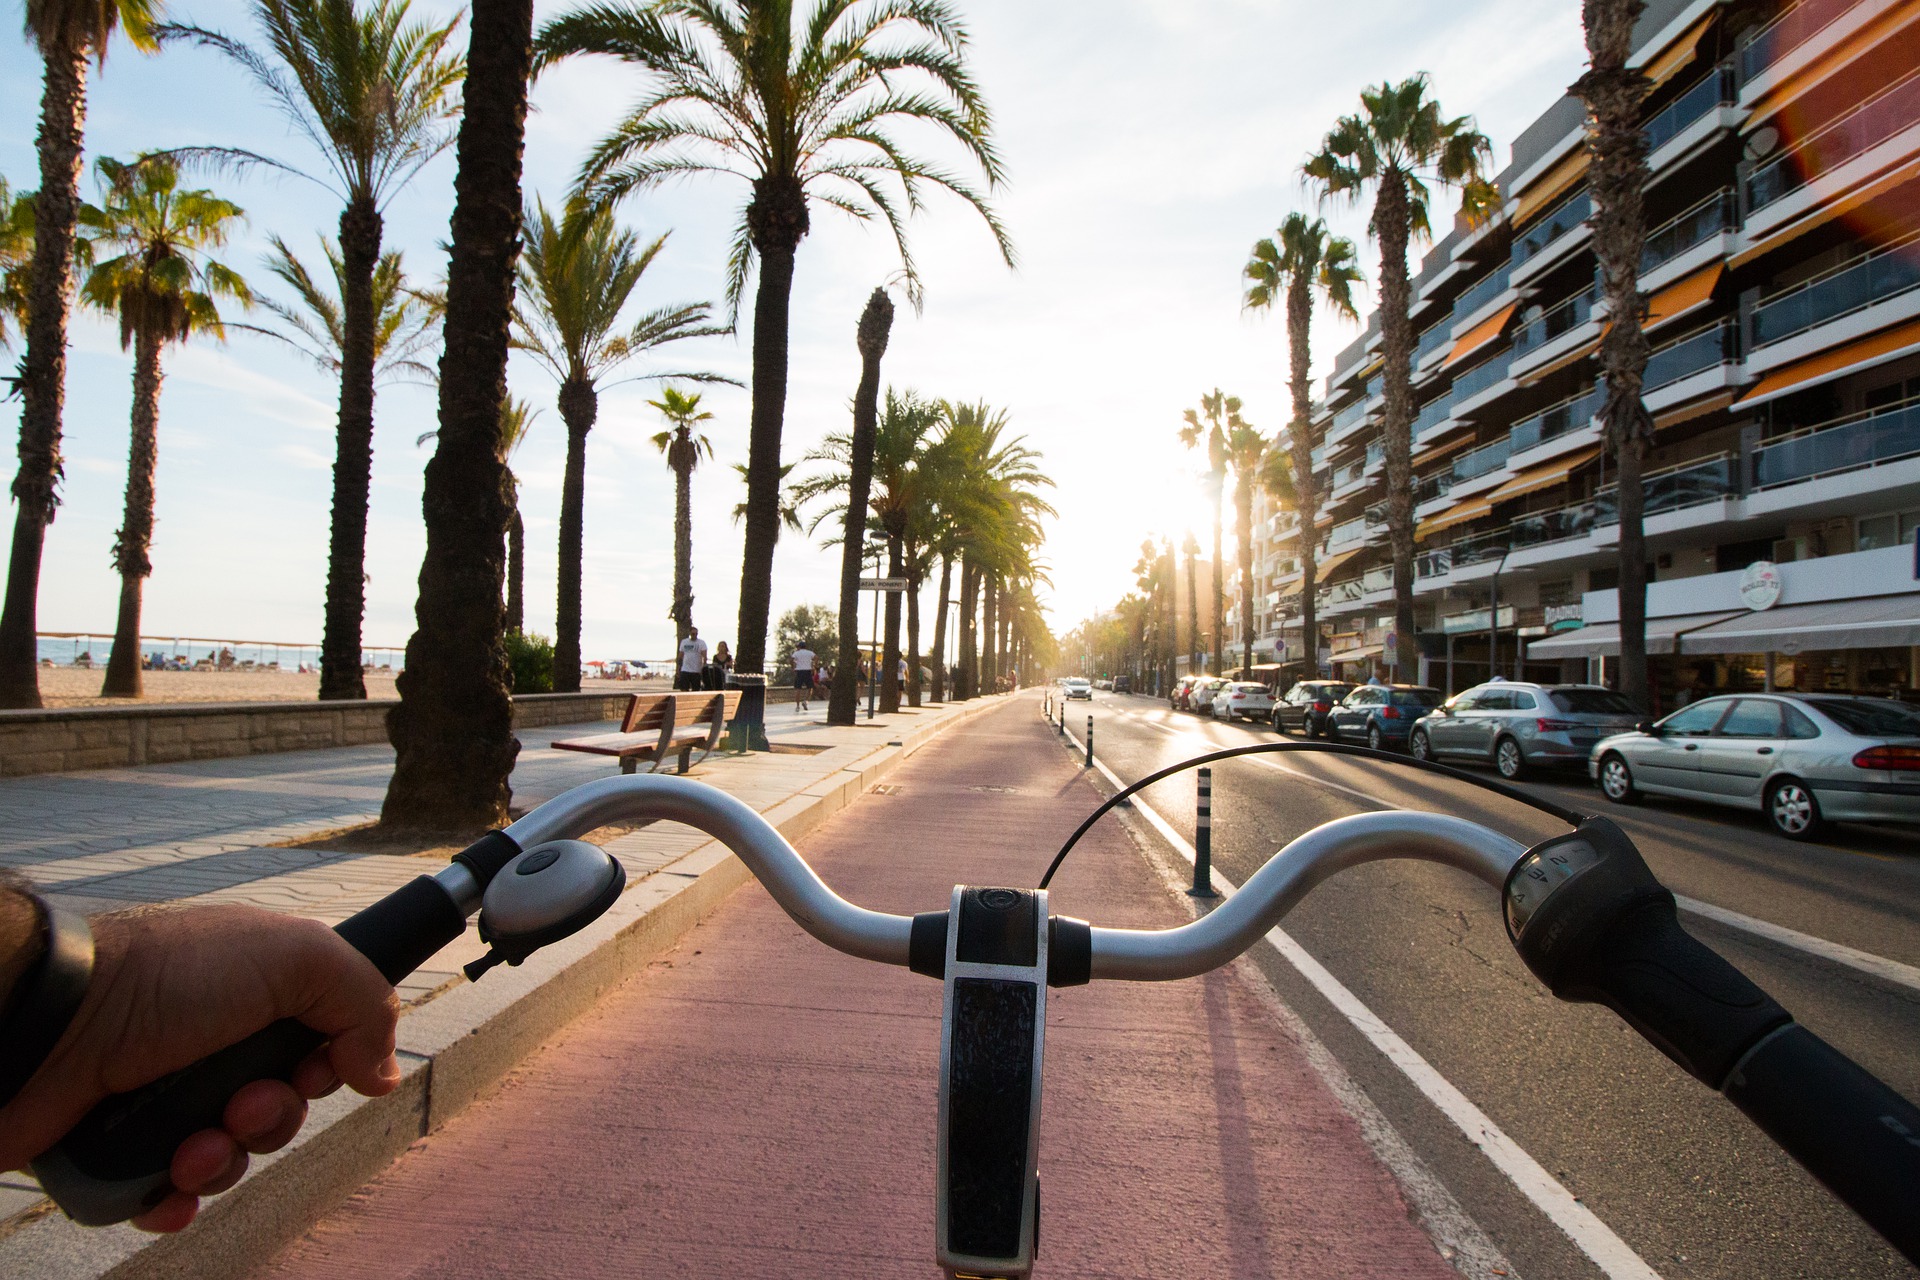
x=753, y=1104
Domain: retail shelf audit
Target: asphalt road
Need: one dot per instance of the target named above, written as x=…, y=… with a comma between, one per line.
x=1678, y=1174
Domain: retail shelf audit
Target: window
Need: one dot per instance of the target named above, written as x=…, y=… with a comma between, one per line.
x=1494, y=700
x=1593, y=702
x=1696, y=721
x=1870, y=717
x=1522, y=700
x=1752, y=718
x=1892, y=394
x=1415, y=697
x=1798, y=726
x=1895, y=529
x=1468, y=701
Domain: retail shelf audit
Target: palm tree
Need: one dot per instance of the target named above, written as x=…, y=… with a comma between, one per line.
x=453, y=730
x=372, y=94
x=16, y=255
x=790, y=517
x=1191, y=549
x=406, y=321
x=1303, y=261
x=683, y=449
x=1400, y=146
x=516, y=419
x=1210, y=425
x=1246, y=448
x=803, y=107
x=162, y=284
x=876, y=323
x=1617, y=178
x=994, y=508
x=576, y=277
x=67, y=33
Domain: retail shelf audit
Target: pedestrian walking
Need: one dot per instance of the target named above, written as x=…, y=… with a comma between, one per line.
x=718, y=668
x=691, y=672
x=803, y=673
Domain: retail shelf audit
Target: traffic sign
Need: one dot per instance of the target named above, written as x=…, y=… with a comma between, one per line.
x=883, y=584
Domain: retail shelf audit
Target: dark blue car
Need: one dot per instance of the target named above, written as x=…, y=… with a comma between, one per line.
x=1381, y=715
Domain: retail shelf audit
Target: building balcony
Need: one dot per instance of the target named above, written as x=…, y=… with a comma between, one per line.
x=1431, y=417
x=1691, y=484
x=1852, y=443
x=1851, y=287
x=1345, y=423
x=1569, y=416
x=1481, y=297
x=1481, y=385
x=1688, y=241
x=1690, y=119
x=1845, y=149
x=1557, y=330
x=1436, y=338
x=1689, y=356
x=1800, y=32
x=1347, y=535
x=1484, y=461
x=1552, y=238
x=1480, y=549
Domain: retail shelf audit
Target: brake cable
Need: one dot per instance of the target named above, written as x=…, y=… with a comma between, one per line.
x=1571, y=817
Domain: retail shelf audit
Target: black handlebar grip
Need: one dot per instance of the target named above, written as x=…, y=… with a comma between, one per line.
x=113, y=1164
x=1850, y=1130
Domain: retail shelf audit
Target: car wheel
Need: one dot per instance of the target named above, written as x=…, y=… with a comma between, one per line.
x=1279, y=725
x=1509, y=760
x=1329, y=730
x=1375, y=742
x=1616, y=781
x=1418, y=746
x=1793, y=811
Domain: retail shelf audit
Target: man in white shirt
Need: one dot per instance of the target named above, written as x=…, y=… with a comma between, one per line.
x=693, y=661
x=802, y=678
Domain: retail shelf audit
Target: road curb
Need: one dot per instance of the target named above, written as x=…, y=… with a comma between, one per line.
x=452, y=1049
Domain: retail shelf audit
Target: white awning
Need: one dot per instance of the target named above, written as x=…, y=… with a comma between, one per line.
x=1876, y=622
x=1602, y=639
x=1357, y=655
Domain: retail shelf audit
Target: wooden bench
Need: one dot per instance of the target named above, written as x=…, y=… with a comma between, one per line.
x=658, y=725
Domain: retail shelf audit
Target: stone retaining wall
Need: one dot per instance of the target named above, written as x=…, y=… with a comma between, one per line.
x=61, y=740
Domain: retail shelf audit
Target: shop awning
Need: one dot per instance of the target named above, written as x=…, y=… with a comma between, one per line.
x=1480, y=335
x=1679, y=55
x=1833, y=209
x=1550, y=186
x=1602, y=639
x=1544, y=476
x=1358, y=655
x=1683, y=297
x=1875, y=348
x=1876, y=622
x=1457, y=515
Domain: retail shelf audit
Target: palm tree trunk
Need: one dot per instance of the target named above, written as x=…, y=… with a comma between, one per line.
x=682, y=533
x=990, y=620
x=1306, y=495
x=1392, y=220
x=43, y=374
x=579, y=409
x=340, y=657
x=966, y=680
x=940, y=673
x=1243, y=516
x=516, y=572
x=1219, y=588
x=890, y=648
x=453, y=730
x=876, y=322
x=135, y=539
x=915, y=571
x=1617, y=178
x=1193, y=615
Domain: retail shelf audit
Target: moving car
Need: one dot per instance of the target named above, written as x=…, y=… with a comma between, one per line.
x=1122, y=684
x=1516, y=726
x=1307, y=706
x=1243, y=700
x=1078, y=688
x=1382, y=715
x=1200, y=697
x=1804, y=760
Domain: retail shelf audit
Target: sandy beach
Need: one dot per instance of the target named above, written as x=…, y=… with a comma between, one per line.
x=80, y=687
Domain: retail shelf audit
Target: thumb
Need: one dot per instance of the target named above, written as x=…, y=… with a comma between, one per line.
x=349, y=1002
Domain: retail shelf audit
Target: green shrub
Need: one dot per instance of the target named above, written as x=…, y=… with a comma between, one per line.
x=530, y=658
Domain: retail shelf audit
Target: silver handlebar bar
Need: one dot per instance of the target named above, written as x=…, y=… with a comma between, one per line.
x=1133, y=954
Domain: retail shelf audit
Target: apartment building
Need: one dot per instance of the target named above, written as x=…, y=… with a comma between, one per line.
x=1782, y=270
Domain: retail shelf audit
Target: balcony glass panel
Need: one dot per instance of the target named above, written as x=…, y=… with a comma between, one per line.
x=1349, y=416
x=1346, y=475
x=1556, y=321
x=1677, y=235
x=1864, y=440
x=1786, y=33
x=1569, y=415
x=1376, y=452
x=1482, y=293
x=1488, y=457
x=1480, y=377
x=1866, y=125
x=1572, y=212
x=1689, y=356
x=1380, y=579
x=1432, y=487
x=1432, y=340
x=1351, y=531
x=1376, y=387
x=1715, y=89
x=1850, y=287
x=1707, y=480
x=1485, y=546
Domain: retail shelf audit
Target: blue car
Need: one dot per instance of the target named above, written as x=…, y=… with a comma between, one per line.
x=1381, y=715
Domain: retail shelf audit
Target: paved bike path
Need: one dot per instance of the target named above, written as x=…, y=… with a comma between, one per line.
x=754, y=1104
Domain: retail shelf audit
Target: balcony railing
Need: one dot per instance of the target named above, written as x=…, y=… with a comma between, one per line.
x=1348, y=416
x=1687, y=485
x=1433, y=564
x=1489, y=288
x=1849, y=287
x=1432, y=487
x=1377, y=579
x=1832, y=145
x=1488, y=457
x=1344, y=476
x=1557, y=321
x=1848, y=444
x=1678, y=234
x=1689, y=355
x=1436, y=412
x=1571, y=213
x=1788, y=32
x=1351, y=531
x=1432, y=340
x=1318, y=457
x=1481, y=547
x=1569, y=415
x=1376, y=387
x=1713, y=91
x=1483, y=375
x=1376, y=452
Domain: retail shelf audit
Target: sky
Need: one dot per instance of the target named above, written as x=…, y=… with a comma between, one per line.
x=1148, y=144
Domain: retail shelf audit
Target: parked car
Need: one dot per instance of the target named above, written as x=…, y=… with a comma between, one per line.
x=1516, y=726
x=1803, y=760
x=1177, y=696
x=1243, y=700
x=1103, y=684
x=1200, y=697
x=1381, y=714
x=1122, y=684
x=1078, y=688
x=1307, y=706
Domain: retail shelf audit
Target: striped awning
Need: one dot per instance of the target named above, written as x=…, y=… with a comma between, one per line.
x=1457, y=515
x=1683, y=297
x=1875, y=348
x=1480, y=335
x=1551, y=185
x=1544, y=476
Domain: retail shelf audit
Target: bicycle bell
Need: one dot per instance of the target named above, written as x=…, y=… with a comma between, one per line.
x=547, y=893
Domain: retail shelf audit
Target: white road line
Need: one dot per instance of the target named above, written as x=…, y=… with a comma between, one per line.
x=1589, y=1234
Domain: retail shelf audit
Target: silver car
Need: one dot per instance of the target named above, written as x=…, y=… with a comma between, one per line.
x=1804, y=760
x=1517, y=726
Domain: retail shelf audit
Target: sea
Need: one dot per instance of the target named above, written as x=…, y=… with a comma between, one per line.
x=70, y=650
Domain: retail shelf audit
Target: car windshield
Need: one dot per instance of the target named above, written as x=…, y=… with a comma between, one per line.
x=1870, y=717
x=1416, y=697
x=1250, y=688
x=1591, y=702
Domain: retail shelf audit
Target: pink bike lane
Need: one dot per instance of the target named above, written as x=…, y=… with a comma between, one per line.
x=753, y=1104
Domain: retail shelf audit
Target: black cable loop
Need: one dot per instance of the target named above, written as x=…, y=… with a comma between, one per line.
x=1569, y=816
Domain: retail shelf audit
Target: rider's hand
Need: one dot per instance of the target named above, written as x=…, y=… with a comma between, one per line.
x=172, y=986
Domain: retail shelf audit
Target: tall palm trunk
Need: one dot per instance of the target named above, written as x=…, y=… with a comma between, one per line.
x=1219, y=588
x=776, y=220
x=1306, y=494
x=890, y=648
x=916, y=570
x=132, y=544
x=990, y=609
x=682, y=532
x=453, y=730
x=1617, y=178
x=340, y=658
x=579, y=409
x=516, y=570
x=1392, y=221
x=941, y=675
x=1193, y=615
x=876, y=322
x=966, y=680
x=43, y=378
x=1243, y=516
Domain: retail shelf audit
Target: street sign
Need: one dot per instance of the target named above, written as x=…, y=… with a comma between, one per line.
x=883, y=584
